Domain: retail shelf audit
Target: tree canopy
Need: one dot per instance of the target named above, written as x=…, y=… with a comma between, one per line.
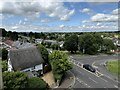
x=88, y=44
x=59, y=62
x=43, y=52
x=36, y=82
x=4, y=65
x=19, y=80
x=14, y=80
x=108, y=45
x=71, y=43
x=4, y=54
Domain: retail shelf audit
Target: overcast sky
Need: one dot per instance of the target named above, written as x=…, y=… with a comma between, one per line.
x=41, y=16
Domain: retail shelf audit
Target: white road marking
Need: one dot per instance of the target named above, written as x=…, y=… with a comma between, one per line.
x=93, y=56
x=85, y=69
x=115, y=86
x=104, y=80
x=73, y=78
x=85, y=84
x=93, y=64
x=81, y=73
x=112, y=79
x=93, y=80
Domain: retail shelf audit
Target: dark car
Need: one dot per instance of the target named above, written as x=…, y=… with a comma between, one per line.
x=89, y=67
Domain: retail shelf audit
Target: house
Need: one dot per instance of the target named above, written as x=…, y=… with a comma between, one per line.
x=25, y=60
x=8, y=44
x=22, y=45
x=50, y=41
x=38, y=41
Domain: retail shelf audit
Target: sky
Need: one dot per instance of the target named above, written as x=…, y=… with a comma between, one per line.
x=47, y=16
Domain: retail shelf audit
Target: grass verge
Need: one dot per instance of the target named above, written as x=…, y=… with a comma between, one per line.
x=113, y=67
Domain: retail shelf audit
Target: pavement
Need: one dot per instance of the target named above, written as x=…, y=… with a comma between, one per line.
x=87, y=79
x=68, y=80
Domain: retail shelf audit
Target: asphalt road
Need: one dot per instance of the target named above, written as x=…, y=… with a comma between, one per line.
x=86, y=79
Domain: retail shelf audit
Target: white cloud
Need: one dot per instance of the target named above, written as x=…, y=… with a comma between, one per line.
x=14, y=27
x=85, y=21
x=85, y=10
x=35, y=8
x=20, y=21
x=98, y=24
x=25, y=19
x=100, y=17
x=116, y=11
x=1, y=16
x=61, y=26
x=44, y=20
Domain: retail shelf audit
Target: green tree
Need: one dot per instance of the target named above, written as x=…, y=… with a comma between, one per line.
x=14, y=80
x=88, y=43
x=98, y=41
x=36, y=82
x=108, y=45
x=59, y=63
x=3, y=32
x=37, y=35
x=42, y=35
x=71, y=43
x=12, y=35
x=43, y=52
x=4, y=54
x=55, y=46
x=4, y=65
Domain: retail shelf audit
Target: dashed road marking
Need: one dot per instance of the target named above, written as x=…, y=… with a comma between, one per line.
x=104, y=80
x=115, y=86
x=93, y=56
x=93, y=80
x=85, y=84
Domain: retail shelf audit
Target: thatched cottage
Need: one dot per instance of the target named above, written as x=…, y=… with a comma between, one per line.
x=25, y=60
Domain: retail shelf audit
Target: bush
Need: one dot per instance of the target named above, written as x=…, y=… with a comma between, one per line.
x=4, y=66
x=58, y=76
x=16, y=80
x=4, y=54
x=109, y=53
x=43, y=52
x=59, y=63
x=36, y=82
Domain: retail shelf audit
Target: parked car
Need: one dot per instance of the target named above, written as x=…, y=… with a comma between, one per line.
x=89, y=67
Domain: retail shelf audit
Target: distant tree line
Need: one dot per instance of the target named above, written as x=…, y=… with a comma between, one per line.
x=88, y=43
x=9, y=34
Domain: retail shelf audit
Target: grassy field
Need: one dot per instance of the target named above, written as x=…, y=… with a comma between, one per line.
x=114, y=67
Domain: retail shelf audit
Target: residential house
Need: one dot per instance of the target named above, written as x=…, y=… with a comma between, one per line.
x=38, y=41
x=25, y=60
x=22, y=45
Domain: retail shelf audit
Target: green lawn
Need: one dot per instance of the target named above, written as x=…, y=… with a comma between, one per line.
x=114, y=67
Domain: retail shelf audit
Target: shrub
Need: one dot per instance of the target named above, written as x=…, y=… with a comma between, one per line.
x=36, y=82
x=43, y=52
x=16, y=80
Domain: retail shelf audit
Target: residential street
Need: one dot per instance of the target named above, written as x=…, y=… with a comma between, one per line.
x=86, y=79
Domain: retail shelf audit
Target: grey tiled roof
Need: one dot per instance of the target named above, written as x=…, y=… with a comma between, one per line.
x=25, y=58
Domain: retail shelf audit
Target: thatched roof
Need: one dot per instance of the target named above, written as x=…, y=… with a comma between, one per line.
x=22, y=45
x=25, y=58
